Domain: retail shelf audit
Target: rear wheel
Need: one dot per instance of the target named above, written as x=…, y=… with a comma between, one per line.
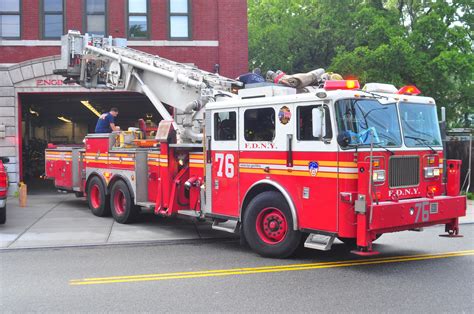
x=121, y=203
x=3, y=215
x=97, y=198
x=268, y=226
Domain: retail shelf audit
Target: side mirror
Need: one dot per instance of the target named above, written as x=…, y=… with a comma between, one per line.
x=319, y=122
x=344, y=139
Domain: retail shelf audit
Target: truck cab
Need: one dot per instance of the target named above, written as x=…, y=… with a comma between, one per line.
x=341, y=162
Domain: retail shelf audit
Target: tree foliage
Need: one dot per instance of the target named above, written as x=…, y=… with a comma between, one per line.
x=426, y=43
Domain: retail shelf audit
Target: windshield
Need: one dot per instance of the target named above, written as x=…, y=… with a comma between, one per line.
x=358, y=117
x=420, y=124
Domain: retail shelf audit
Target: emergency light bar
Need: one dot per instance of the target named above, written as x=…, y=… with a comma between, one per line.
x=409, y=90
x=343, y=84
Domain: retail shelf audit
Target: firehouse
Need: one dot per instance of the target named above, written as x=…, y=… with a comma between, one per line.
x=276, y=164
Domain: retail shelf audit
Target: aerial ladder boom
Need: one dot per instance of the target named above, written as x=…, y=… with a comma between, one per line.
x=102, y=62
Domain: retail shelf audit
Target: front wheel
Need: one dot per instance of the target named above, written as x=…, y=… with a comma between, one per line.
x=268, y=226
x=121, y=203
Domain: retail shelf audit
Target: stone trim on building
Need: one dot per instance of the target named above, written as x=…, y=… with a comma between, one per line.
x=33, y=76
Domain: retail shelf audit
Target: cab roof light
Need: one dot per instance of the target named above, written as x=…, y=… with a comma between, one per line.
x=344, y=84
x=409, y=90
x=380, y=88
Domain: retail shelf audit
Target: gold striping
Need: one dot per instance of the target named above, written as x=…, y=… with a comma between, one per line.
x=297, y=173
x=327, y=163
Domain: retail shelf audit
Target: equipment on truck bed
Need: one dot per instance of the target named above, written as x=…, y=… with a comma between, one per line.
x=269, y=163
x=102, y=62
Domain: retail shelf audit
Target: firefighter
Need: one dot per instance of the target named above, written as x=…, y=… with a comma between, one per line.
x=106, y=122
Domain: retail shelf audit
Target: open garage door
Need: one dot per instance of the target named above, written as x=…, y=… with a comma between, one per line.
x=65, y=118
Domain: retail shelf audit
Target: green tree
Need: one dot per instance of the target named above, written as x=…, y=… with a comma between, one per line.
x=426, y=43
x=297, y=35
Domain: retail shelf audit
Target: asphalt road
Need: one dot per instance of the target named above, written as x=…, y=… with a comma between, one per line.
x=416, y=272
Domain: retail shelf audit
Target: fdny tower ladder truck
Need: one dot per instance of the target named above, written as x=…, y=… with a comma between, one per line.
x=280, y=166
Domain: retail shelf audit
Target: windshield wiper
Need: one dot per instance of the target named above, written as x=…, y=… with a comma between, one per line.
x=388, y=150
x=422, y=141
x=374, y=94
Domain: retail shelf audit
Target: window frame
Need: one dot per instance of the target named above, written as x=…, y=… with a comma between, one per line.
x=127, y=20
x=105, y=14
x=43, y=20
x=274, y=124
x=188, y=15
x=20, y=14
x=215, y=129
x=329, y=131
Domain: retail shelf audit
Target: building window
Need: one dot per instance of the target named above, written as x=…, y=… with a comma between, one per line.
x=10, y=19
x=137, y=19
x=225, y=126
x=96, y=17
x=179, y=19
x=259, y=124
x=305, y=123
x=53, y=14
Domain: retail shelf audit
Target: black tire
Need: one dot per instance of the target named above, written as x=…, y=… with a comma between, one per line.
x=257, y=209
x=122, y=204
x=97, y=198
x=352, y=242
x=3, y=215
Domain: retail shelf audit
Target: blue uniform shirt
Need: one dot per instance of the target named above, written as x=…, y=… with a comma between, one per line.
x=103, y=125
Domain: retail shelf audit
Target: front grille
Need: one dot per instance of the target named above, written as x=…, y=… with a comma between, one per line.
x=404, y=171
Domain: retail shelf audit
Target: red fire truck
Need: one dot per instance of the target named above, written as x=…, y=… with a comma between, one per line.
x=275, y=164
x=3, y=189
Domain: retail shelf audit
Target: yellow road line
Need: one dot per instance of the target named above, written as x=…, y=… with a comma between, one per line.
x=264, y=269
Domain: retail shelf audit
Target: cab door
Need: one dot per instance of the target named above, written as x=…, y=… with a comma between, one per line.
x=222, y=160
x=317, y=158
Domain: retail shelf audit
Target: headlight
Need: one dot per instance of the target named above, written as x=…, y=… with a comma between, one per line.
x=431, y=172
x=378, y=176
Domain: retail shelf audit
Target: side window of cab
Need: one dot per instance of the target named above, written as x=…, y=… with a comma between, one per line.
x=304, y=126
x=225, y=126
x=259, y=125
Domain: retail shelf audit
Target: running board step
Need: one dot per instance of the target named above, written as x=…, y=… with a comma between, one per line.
x=189, y=213
x=147, y=205
x=320, y=242
x=231, y=226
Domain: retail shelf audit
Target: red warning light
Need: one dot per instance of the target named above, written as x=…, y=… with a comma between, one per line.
x=409, y=90
x=343, y=84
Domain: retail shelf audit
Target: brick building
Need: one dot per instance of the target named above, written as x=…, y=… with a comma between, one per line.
x=203, y=32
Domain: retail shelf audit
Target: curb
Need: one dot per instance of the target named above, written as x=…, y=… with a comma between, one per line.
x=119, y=244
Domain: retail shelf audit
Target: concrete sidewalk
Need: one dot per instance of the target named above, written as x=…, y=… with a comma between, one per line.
x=57, y=220
x=469, y=218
